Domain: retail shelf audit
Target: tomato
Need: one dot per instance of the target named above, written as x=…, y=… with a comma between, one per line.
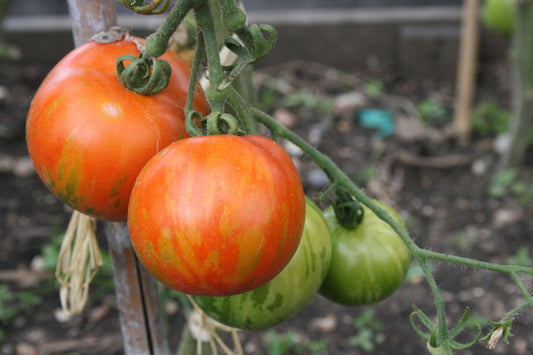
x=498, y=15
x=89, y=137
x=288, y=292
x=368, y=263
x=217, y=215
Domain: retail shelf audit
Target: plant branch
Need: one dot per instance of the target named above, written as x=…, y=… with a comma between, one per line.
x=206, y=27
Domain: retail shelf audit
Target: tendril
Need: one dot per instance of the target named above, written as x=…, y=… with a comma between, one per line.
x=145, y=76
x=150, y=8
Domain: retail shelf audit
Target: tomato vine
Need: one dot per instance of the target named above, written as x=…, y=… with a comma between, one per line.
x=250, y=44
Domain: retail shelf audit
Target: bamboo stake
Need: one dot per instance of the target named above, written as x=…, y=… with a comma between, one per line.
x=466, y=71
x=142, y=326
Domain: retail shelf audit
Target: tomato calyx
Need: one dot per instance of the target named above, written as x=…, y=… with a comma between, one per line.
x=348, y=210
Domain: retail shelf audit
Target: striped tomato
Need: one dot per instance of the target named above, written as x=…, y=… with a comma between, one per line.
x=288, y=292
x=217, y=215
x=89, y=137
x=368, y=263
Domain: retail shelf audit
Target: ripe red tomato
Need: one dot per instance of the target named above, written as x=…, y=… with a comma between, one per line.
x=217, y=215
x=89, y=137
x=368, y=262
x=288, y=292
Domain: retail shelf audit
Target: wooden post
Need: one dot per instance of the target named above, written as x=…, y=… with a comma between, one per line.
x=141, y=322
x=466, y=71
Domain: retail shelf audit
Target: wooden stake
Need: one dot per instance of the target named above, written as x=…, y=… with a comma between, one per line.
x=466, y=71
x=141, y=323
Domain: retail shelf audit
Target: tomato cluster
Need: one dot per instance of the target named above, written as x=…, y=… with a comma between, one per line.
x=220, y=217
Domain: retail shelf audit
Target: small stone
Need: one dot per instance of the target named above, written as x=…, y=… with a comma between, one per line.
x=285, y=117
x=26, y=349
x=504, y=217
x=479, y=167
x=316, y=133
x=350, y=101
x=318, y=179
x=292, y=149
x=61, y=316
x=325, y=324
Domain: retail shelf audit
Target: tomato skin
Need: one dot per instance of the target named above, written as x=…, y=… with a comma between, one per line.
x=217, y=215
x=89, y=137
x=287, y=293
x=368, y=263
x=498, y=15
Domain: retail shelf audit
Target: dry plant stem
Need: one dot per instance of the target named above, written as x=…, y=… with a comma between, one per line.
x=78, y=262
x=200, y=325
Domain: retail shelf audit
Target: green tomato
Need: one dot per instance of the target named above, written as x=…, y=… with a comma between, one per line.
x=288, y=292
x=368, y=262
x=499, y=16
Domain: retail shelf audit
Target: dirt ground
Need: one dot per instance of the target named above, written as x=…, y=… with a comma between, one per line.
x=441, y=189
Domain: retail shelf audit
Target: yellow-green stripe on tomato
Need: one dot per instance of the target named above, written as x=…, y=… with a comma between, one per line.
x=288, y=292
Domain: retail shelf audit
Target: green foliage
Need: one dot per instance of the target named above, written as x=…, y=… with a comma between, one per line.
x=521, y=257
x=374, y=88
x=507, y=182
x=369, y=331
x=288, y=343
x=462, y=242
x=490, y=119
x=432, y=112
x=13, y=303
x=365, y=175
x=308, y=99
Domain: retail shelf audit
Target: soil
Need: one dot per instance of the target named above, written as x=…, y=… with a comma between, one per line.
x=440, y=187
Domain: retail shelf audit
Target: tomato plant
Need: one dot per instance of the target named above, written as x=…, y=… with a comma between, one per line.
x=368, y=262
x=498, y=15
x=288, y=292
x=217, y=215
x=89, y=137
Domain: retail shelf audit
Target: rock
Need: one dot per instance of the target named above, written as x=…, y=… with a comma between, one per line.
x=285, y=117
x=350, y=102
x=504, y=217
x=318, y=179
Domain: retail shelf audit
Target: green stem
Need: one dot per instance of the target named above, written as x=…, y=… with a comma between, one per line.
x=242, y=109
x=420, y=255
x=507, y=269
x=157, y=43
x=521, y=287
x=198, y=57
x=206, y=27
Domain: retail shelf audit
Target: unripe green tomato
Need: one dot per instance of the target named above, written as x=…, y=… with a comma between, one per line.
x=288, y=292
x=499, y=16
x=368, y=262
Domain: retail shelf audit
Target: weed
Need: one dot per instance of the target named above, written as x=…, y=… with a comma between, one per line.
x=307, y=99
x=521, y=257
x=374, y=88
x=489, y=119
x=507, y=182
x=12, y=303
x=289, y=343
x=369, y=331
x=432, y=112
